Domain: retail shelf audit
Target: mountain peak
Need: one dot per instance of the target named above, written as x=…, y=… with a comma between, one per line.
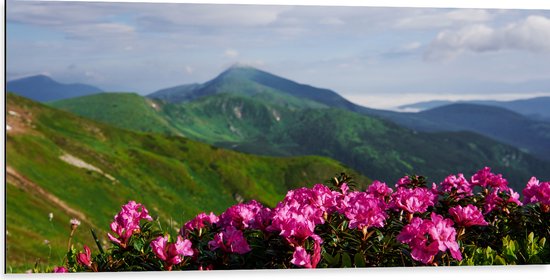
x=37, y=78
x=241, y=65
x=43, y=88
x=240, y=68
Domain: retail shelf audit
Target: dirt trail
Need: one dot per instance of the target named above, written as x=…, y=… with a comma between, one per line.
x=19, y=180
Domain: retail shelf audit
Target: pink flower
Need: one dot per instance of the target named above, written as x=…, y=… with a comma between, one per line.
x=230, y=240
x=414, y=234
x=295, y=222
x=537, y=192
x=302, y=209
x=415, y=200
x=427, y=237
x=494, y=199
x=344, y=188
x=423, y=251
x=301, y=258
x=364, y=211
x=171, y=253
x=85, y=258
x=126, y=222
x=487, y=179
x=458, y=184
x=467, y=216
x=60, y=269
x=246, y=215
x=443, y=232
x=199, y=222
x=403, y=182
x=379, y=189
x=320, y=196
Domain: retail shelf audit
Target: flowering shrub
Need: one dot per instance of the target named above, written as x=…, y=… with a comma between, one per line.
x=476, y=221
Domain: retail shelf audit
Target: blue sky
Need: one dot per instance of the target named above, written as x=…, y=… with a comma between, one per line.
x=378, y=57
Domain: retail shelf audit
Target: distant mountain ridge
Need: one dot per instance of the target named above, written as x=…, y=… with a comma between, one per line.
x=43, y=88
x=185, y=109
x=536, y=108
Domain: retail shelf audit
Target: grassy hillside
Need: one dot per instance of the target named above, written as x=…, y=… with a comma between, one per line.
x=128, y=110
x=376, y=148
x=73, y=167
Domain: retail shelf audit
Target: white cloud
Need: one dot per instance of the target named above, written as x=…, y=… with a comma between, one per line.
x=100, y=30
x=530, y=34
x=429, y=18
x=411, y=46
x=231, y=53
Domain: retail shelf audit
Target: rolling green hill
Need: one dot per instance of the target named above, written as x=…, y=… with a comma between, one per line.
x=376, y=148
x=127, y=110
x=77, y=168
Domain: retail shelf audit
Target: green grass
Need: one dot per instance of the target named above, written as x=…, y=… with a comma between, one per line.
x=129, y=110
x=376, y=148
x=176, y=178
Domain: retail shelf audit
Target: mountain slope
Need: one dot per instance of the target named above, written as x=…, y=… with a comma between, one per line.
x=73, y=167
x=497, y=123
x=43, y=88
x=376, y=148
x=252, y=82
x=127, y=110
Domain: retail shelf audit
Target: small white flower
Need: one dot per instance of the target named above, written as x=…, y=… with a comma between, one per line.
x=75, y=222
x=46, y=242
x=50, y=216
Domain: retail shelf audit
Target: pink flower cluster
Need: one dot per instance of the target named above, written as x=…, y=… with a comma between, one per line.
x=296, y=217
x=199, y=222
x=364, y=210
x=427, y=237
x=458, y=185
x=416, y=200
x=171, y=253
x=497, y=193
x=127, y=221
x=251, y=215
x=537, y=192
x=467, y=216
x=485, y=178
x=302, y=209
x=230, y=240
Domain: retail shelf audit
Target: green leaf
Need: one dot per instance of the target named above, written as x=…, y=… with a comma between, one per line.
x=138, y=244
x=346, y=260
x=359, y=260
x=499, y=260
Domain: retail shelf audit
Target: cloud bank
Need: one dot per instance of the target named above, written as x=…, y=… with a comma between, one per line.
x=532, y=34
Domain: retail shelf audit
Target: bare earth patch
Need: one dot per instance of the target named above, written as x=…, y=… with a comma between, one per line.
x=18, y=120
x=74, y=161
